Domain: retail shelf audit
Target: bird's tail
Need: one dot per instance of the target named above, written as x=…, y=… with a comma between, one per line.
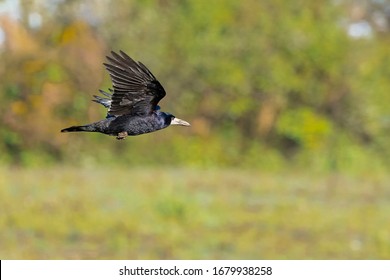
x=106, y=102
x=88, y=128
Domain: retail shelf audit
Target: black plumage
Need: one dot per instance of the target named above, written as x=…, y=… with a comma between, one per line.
x=132, y=103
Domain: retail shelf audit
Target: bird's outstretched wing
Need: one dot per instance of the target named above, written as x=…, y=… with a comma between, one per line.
x=135, y=90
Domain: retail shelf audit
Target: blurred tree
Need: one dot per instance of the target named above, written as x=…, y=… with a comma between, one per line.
x=255, y=77
x=44, y=83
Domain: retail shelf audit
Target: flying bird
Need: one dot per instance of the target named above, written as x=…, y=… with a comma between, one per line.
x=132, y=103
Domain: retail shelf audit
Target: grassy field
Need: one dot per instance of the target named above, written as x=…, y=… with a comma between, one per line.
x=71, y=213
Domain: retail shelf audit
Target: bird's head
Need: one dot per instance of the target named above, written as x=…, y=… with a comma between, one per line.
x=172, y=120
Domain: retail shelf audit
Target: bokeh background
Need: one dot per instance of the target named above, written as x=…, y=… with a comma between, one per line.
x=288, y=153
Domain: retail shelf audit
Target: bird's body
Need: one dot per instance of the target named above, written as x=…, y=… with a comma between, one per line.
x=133, y=125
x=132, y=106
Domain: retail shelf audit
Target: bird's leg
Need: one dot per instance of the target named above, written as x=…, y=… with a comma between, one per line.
x=122, y=135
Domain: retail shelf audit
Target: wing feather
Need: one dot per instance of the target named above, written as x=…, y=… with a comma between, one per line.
x=135, y=89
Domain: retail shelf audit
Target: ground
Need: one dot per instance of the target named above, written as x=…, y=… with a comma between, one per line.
x=175, y=213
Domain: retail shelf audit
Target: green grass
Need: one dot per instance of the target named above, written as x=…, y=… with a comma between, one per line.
x=70, y=213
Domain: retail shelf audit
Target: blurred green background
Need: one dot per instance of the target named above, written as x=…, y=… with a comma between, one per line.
x=288, y=153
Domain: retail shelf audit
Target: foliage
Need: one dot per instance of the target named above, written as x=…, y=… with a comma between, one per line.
x=272, y=77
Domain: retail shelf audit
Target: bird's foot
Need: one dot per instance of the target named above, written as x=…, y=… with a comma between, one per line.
x=122, y=135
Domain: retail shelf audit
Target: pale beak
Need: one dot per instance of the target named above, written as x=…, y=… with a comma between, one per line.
x=177, y=121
